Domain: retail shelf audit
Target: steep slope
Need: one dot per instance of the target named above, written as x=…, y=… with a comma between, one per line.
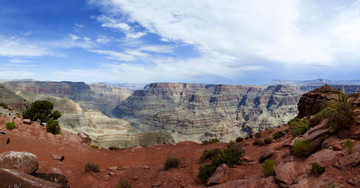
x=199, y=111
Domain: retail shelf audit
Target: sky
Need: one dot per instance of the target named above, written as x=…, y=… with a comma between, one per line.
x=202, y=41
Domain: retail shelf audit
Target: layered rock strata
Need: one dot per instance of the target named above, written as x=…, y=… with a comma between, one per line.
x=199, y=111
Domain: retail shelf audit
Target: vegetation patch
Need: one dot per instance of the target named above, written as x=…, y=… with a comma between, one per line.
x=52, y=126
x=123, y=183
x=41, y=110
x=342, y=112
x=91, y=167
x=10, y=125
x=268, y=140
x=299, y=127
x=302, y=148
x=349, y=145
x=323, y=114
x=95, y=146
x=209, y=153
x=171, y=162
x=258, y=142
x=268, y=168
x=258, y=135
x=239, y=139
x=115, y=148
x=278, y=134
x=316, y=169
x=5, y=106
x=211, y=141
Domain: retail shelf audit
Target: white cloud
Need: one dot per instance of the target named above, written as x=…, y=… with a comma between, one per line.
x=19, y=47
x=291, y=32
x=115, y=55
x=16, y=60
x=135, y=35
x=113, y=23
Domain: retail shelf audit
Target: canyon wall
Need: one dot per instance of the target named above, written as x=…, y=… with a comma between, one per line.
x=200, y=111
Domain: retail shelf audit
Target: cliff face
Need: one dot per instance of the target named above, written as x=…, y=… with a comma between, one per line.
x=11, y=98
x=199, y=111
x=94, y=96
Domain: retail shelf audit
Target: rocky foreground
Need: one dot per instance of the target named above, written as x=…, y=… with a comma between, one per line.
x=143, y=166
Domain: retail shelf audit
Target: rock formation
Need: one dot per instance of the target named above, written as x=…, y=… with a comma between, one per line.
x=198, y=111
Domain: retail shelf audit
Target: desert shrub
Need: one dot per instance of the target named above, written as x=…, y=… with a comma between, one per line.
x=269, y=130
x=10, y=125
x=52, y=126
x=317, y=169
x=342, y=115
x=268, y=168
x=258, y=135
x=211, y=141
x=293, y=120
x=123, y=183
x=258, y=142
x=324, y=113
x=268, y=140
x=5, y=106
x=239, y=139
x=95, y=146
x=349, y=145
x=41, y=110
x=206, y=171
x=235, y=147
x=251, y=135
x=246, y=137
x=209, y=153
x=171, y=162
x=302, y=148
x=114, y=148
x=278, y=134
x=91, y=167
x=331, y=184
x=299, y=127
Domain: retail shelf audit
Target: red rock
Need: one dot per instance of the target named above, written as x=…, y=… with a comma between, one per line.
x=27, y=121
x=219, y=176
x=266, y=155
x=12, y=178
x=54, y=177
x=350, y=160
x=112, y=173
x=250, y=183
x=285, y=174
x=337, y=147
x=21, y=161
x=56, y=157
x=355, y=181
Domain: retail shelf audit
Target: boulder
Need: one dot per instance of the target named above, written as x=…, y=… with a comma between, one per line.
x=352, y=159
x=86, y=139
x=56, y=157
x=285, y=174
x=27, y=121
x=331, y=142
x=54, y=177
x=13, y=178
x=266, y=155
x=355, y=181
x=219, y=176
x=21, y=161
x=250, y=183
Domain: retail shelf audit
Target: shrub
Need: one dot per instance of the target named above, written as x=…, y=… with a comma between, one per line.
x=210, y=141
x=114, y=148
x=293, y=120
x=250, y=135
x=235, y=147
x=324, y=113
x=209, y=153
x=302, y=148
x=268, y=140
x=171, y=162
x=349, y=145
x=239, y=139
x=95, y=146
x=5, y=106
x=52, y=126
x=206, y=171
x=91, y=167
x=123, y=183
x=269, y=130
x=268, y=168
x=258, y=142
x=227, y=156
x=278, y=134
x=317, y=169
x=258, y=134
x=299, y=127
x=10, y=125
x=41, y=110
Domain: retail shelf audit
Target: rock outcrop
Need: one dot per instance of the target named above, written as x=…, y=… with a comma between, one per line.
x=199, y=112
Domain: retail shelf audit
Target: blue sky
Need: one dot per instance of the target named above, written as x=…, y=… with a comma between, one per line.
x=131, y=41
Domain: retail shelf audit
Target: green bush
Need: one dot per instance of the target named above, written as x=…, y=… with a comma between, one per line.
x=324, y=113
x=227, y=156
x=349, y=145
x=52, y=126
x=239, y=139
x=299, y=127
x=91, y=167
x=95, y=146
x=206, y=171
x=41, y=110
x=302, y=148
x=251, y=135
x=278, y=134
x=123, y=183
x=258, y=142
x=5, y=106
x=209, y=153
x=268, y=140
x=316, y=169
x=211, y=141
x=343, y=115
x=268, y=168
x=269, y=130
x=10, y=125
x=171, y=162
x=258, y=134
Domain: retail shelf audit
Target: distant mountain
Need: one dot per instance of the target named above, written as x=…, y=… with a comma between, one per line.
x=316, y=82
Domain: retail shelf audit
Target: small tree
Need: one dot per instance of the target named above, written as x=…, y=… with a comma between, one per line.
x=41, y=110
x=52, y=126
